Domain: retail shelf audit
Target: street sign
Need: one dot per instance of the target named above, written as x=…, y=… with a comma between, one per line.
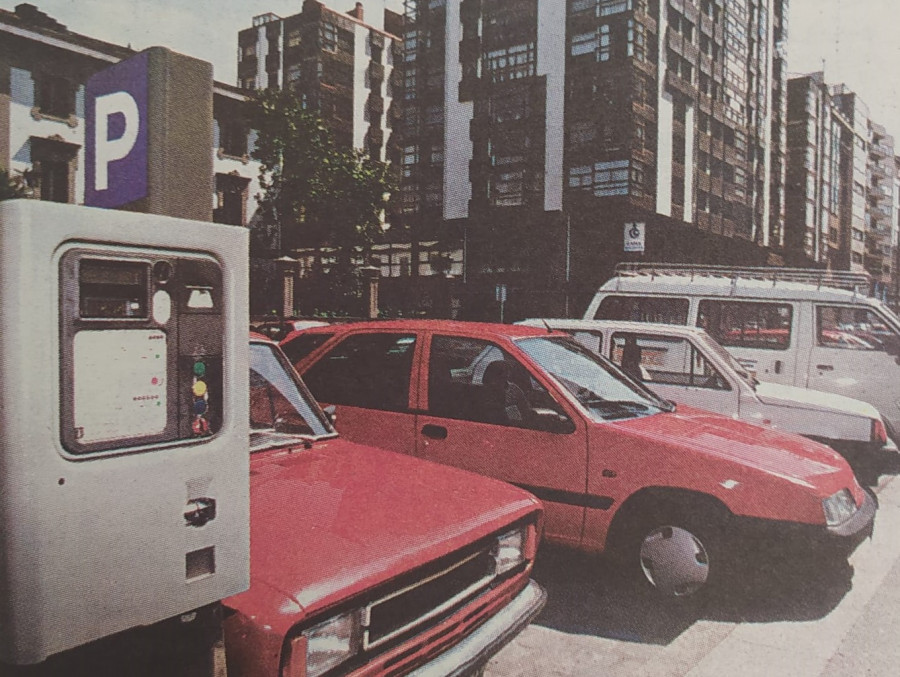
x=500, y=293
x=634, y=236
x=116, y=132
x=149, y=135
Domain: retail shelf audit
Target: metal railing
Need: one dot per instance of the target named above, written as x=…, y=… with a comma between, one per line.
x=861, y=283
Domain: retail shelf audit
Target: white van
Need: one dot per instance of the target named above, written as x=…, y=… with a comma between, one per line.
x=810, y=328
x=686, y=365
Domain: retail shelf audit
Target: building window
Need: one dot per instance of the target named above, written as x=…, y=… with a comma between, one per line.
x=293, y=72
x=511, y=63
x=507, y=188
x=293, y=38
x=604, y=179
x=54, y=166
x=637, y=40
x=328, y=35
x=608, y=7
x=604, y=50
x=55, y=96
x=233, y=139
x=231, y=196
x=584, y=43
x=409, y=160
x=409, y=199
x=582, y=7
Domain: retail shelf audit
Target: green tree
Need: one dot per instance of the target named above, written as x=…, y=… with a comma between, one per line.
x=10, y=188
x=315, y=193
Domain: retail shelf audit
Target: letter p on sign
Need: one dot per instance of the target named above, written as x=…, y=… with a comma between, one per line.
x=107, y=150
x=116, y=134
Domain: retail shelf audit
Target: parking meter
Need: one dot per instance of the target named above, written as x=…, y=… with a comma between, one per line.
x=124, y=495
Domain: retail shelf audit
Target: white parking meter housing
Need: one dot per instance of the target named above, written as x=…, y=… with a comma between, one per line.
x=123, y=422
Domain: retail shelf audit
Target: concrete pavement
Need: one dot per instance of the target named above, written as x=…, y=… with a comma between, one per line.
x=846, y=622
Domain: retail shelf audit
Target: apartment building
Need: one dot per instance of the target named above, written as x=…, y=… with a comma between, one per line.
x=340, y=65
x=841, y=183
x=536, y=129
x=819, y=219
x=43, y=70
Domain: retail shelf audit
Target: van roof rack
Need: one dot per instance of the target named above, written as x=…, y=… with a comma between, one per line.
x=861, y=283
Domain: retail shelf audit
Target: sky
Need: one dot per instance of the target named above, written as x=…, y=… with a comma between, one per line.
x=857, y=40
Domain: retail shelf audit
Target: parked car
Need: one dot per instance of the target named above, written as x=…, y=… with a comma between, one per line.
x=686, y=365
x=671, y=490
x=809, y=328
x=368, y=562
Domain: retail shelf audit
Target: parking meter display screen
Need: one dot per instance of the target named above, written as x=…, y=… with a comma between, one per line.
x=120, y=384
x=112, y=289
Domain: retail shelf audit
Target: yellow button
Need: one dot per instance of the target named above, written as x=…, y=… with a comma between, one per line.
x=199, y=389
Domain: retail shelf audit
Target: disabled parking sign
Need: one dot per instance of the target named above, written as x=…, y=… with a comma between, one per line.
x=634, y=237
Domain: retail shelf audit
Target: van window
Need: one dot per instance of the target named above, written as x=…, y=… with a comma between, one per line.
x=642, y=309
x=854, y=329
x=747, y=324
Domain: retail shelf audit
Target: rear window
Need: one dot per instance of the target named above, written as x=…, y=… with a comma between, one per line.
x=747, y=324
x=643, y=309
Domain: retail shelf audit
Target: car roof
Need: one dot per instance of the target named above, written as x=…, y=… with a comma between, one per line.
x=637, y=327
x=743, y=289
x=511, y=331
x=256, y=336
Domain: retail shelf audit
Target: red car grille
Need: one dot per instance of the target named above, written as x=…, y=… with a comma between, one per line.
x=432, y=596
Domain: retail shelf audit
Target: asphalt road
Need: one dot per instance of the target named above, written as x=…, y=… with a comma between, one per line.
x=786, y=618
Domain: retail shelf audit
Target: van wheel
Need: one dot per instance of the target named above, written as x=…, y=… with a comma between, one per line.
x=677, y=556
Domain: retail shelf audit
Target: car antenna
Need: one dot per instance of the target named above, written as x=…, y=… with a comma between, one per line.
x=547, y=324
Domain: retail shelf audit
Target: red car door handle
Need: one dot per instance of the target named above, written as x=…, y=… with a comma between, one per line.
x=435, y=432
x=825, y=367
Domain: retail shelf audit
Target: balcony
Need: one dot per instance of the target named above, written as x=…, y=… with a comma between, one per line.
x=375, y=104
x=376, y=71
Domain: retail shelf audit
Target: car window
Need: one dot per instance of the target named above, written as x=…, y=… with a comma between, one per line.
x=303, y=344
x=365, y=370
x=475, y=380
x=597, y=384
x=667, y=360
x=854, y=329
x=279, y=404
x=667, y=310
x=747, y=324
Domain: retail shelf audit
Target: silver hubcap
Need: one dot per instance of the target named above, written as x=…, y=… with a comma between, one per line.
x=674, y=561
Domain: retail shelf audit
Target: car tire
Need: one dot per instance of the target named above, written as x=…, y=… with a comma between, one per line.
x=675, y=554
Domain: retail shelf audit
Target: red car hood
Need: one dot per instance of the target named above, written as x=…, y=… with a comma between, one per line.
x=331, y=521
x=765, y=449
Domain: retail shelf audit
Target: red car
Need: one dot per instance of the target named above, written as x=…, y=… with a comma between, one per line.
x=366, y=562
x=674, y=491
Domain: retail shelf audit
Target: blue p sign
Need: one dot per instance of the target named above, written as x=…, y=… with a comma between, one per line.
x=116, y=134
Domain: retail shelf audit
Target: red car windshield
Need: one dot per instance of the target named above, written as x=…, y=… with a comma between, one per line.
x=598, y=385
x=281, y=407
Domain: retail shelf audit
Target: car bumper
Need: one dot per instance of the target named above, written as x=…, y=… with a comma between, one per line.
x=796, y=538
x=476, y=650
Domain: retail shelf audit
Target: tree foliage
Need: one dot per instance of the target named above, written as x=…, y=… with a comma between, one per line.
x=10, y=187
x=315, y=193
